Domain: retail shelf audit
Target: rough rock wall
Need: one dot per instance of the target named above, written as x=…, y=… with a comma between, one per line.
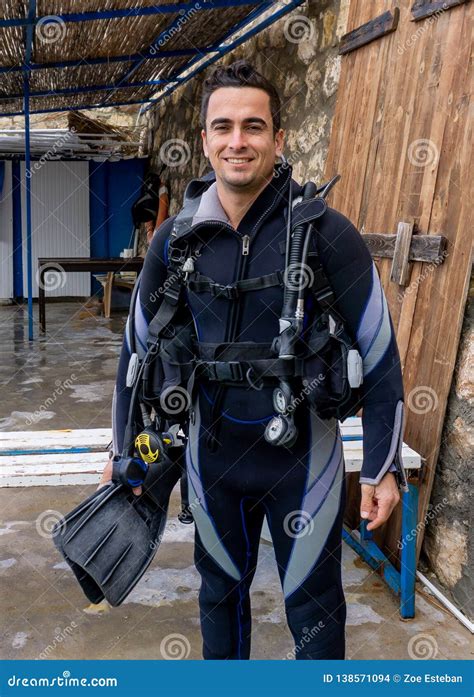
x=299, y=54
x=448, y=541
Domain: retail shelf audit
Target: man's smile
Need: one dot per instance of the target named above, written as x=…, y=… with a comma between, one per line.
x=238, y=160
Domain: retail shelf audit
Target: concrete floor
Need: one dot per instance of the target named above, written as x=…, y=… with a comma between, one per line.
x=42, y=611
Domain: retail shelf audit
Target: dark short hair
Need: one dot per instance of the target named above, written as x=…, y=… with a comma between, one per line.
x=241, y=73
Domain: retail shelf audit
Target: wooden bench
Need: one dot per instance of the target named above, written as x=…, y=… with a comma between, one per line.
x=52, y=458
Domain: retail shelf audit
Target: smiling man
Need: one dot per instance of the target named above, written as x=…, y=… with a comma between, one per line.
x=225, y=250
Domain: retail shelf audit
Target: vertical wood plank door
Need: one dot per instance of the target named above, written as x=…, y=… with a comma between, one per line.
x=402, y=141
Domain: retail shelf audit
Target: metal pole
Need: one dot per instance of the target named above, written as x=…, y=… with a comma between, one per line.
x=26, y=86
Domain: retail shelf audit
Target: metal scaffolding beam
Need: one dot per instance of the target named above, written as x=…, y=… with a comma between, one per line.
x=170, y=8
x=88, y=88
x=85, y=62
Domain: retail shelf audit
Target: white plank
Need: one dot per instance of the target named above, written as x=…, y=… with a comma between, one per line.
x=85, y=468
x=66, y=438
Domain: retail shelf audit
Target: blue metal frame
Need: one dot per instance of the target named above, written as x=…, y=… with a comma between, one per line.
x=175, y=80
x=130, y=12
x=89, y=88
x=174, y=24
x=401, y=582
x=83, y=62
x=230, y=47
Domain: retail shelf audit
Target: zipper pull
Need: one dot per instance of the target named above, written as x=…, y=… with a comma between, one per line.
x=245, y=245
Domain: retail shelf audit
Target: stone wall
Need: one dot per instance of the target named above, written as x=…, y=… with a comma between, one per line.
x=448, y=541
x=299, y=54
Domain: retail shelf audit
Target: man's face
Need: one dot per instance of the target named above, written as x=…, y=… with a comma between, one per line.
x=239, y=139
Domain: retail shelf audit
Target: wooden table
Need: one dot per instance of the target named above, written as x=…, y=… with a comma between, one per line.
x=79, y=264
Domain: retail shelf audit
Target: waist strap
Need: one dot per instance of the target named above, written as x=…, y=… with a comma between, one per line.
x=249, y=371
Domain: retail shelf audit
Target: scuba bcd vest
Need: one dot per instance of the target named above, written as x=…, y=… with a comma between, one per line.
x=318, y=362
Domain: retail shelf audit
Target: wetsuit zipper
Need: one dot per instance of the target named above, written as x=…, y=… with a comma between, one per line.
x=231, y=332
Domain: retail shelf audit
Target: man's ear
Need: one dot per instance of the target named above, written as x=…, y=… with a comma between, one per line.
x=279, y=140
x=204, y=142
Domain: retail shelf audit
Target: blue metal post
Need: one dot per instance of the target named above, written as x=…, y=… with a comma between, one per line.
x=26, y=87
x=408, y=551
x=28, y=208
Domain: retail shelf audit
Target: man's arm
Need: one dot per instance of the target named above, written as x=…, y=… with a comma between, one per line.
x=150, y=283
x=361, y=301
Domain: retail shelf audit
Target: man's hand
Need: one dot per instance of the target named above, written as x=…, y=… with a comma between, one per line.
x=379, y=501
x=107, y=476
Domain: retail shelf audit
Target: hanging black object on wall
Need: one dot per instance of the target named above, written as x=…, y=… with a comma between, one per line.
x=145, y=208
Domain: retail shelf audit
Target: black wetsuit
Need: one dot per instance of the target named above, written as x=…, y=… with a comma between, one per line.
x=235, y=477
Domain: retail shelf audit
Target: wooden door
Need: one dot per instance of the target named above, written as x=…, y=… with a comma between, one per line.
x=402, y=141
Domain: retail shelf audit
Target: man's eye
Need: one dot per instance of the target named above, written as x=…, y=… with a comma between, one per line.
x=255, y=128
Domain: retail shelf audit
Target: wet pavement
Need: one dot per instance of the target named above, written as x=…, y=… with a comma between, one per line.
x=64, y=378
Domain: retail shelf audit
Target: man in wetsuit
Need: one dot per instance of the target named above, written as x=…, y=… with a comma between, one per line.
x=238, y=215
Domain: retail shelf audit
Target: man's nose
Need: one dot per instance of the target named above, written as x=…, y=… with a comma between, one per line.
x=237, y=139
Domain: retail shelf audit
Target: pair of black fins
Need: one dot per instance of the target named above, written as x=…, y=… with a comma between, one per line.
x=110, y=539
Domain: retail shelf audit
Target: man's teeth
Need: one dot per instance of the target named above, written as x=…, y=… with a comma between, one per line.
x=237, y=160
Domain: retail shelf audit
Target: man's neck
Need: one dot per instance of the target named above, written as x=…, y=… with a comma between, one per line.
x=237, y=203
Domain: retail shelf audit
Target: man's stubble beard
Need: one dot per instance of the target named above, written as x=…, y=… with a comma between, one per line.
x=251, y=185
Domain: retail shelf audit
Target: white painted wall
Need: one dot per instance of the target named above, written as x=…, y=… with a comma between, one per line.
x=60, y=221
x=6, y=235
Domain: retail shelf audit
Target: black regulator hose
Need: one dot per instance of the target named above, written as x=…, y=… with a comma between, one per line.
x=290, y=322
